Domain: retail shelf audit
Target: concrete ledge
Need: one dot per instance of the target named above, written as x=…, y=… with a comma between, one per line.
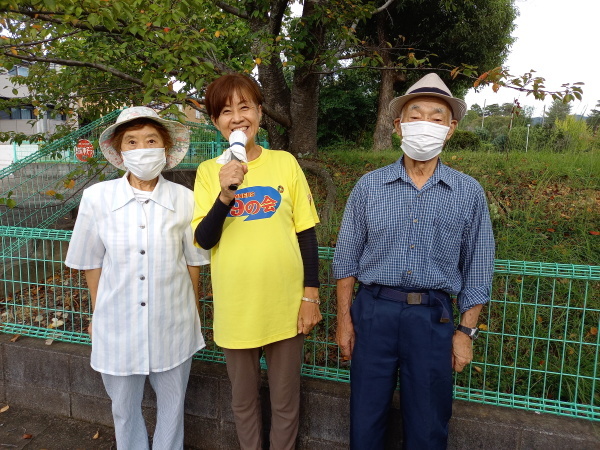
x=57, y=379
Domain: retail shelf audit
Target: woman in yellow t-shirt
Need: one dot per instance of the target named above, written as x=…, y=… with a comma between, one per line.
x=258, y=219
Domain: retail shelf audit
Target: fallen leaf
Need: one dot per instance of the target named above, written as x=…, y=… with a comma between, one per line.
x=51, y=193
x=49, y=341
x=594, y=331
x=4, y=409
x=478, y=369
x=97, y=435
x=27, y=436
x=595, y=233
x=15, y=338
x=483, y=327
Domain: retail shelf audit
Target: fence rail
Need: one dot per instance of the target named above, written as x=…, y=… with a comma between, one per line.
x=539, y=350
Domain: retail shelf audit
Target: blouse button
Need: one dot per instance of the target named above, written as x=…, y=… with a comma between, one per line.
x=142, y=278
x=143, y=304
x=143, y=252
x=409, y=272
x=142, y=226
x=415, y=220
x=146, y=201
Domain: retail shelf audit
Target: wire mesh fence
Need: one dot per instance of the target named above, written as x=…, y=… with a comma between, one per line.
x=42, y=187
x=539, y=347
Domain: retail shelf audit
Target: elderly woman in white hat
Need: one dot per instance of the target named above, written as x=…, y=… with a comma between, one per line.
x=133, y=239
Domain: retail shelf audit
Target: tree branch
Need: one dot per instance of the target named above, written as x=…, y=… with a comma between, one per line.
x=45, y=41
x=384, y=6
x=232, y=10
x=72, y=63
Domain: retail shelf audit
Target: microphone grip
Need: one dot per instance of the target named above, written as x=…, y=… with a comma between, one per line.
x=233, y=187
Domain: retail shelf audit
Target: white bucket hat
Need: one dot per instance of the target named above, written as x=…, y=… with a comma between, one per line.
x=431, y=85
x=180, y=135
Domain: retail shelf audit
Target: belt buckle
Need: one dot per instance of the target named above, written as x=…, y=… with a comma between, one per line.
x=413, y=298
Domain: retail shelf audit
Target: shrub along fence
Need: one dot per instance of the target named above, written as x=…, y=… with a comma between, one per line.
x=539, y=347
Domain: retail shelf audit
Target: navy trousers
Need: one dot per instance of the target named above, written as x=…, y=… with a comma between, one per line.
x=392, y=336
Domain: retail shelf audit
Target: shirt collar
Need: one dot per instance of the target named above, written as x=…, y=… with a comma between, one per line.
x=442, y=173
x=161, y=194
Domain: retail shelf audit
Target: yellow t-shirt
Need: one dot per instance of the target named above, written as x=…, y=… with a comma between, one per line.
x=256, y=267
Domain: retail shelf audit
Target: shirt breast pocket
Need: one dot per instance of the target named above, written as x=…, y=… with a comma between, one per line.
x=447, y=237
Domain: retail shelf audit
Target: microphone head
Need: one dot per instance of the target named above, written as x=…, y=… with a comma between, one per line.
x=238, y=137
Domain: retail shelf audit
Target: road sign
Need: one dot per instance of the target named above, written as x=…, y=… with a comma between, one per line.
x=84, y=150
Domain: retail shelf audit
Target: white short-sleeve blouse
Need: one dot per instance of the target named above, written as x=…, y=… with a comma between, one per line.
x=145, y=319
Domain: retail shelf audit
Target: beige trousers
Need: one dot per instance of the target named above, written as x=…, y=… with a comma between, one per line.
x=284, y=360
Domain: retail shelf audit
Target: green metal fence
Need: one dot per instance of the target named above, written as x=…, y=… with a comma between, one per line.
x=539, y=350
x=45, y=185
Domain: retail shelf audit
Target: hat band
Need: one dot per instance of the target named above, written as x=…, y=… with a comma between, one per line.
x=431, y=90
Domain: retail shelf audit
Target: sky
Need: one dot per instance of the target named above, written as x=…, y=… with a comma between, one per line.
x=559, y=40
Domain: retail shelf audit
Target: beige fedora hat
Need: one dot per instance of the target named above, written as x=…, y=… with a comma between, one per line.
x=431, y=85
x=180, y=135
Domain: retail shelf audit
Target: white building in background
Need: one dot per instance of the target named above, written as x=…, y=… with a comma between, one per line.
x=19, y=119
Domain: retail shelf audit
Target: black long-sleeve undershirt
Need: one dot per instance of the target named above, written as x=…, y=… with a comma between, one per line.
x=209, y=230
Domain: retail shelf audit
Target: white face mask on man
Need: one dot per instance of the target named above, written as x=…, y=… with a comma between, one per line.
x=145, y=163
x=423, y=140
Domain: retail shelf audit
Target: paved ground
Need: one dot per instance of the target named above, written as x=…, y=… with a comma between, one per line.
x=22, y=428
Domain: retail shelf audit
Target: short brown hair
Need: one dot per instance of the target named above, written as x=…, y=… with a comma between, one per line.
x=220, y=91
x=137, y=124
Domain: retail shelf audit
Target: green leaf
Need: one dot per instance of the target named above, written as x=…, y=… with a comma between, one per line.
x=11, y=203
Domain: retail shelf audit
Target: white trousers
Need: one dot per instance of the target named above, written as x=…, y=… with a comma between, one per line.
x=126, y=393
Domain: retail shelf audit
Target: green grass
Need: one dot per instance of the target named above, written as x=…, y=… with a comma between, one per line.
x=544, y=206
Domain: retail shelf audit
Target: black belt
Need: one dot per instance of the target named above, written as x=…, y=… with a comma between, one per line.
x=432, y=297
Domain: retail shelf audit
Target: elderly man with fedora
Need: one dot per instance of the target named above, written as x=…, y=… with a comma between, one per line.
x=414, y=233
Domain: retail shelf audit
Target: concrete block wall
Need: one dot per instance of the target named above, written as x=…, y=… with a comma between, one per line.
x=57, y=379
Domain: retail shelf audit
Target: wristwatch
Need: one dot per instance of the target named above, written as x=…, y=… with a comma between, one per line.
x=473, y=333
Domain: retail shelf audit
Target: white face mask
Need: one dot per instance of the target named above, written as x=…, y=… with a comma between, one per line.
x=145, y=163
x=423, y=140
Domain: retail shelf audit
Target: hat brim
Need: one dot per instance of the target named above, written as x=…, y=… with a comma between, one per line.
x=180, y=135
x=458, y=106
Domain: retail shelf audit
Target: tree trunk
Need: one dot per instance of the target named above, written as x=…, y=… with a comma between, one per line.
x=277, y=95
x=304, y=105
x=384, y=127
x=382, y=137
x=304, y=109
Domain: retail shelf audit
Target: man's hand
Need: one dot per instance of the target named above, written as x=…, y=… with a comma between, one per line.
x=344, y=337
x=462, y=351
x=308, y=316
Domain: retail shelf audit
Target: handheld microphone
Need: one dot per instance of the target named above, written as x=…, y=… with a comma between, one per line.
x=237, y=143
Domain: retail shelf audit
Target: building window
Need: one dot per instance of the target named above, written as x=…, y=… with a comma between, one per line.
x=19, y=70
x=24, y=113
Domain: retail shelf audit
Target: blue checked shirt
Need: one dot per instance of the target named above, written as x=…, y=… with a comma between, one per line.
x=439, y=237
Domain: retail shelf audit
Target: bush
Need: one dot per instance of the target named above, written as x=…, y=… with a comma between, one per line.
x=464, y=140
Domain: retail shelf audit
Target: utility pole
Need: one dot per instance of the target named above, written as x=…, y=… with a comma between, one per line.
x=483, y=113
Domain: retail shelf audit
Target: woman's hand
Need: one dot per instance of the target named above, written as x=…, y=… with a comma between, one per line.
x=308, y=316
x=231, y=173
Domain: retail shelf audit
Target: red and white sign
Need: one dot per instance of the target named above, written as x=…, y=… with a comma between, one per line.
x=84, y=150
